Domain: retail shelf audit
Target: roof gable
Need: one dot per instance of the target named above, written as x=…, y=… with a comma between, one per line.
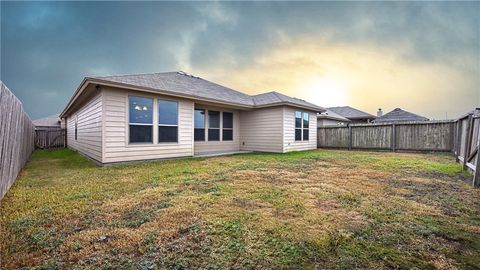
x=188, y=86
x=399, y=115
x=183, y=83
x=328, y=114
x=351, y=113
x=49, y=121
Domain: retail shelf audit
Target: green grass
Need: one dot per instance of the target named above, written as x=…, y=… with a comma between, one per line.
x=324, y=209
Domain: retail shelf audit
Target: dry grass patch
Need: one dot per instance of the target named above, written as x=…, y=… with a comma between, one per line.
x=317, y=209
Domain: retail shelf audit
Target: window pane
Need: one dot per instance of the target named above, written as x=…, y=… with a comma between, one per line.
x=199, y=134
x=305, y=120
x=140, y=110
x=167, y=134
x=298, y=134
x=298, y=119
x=140, y=134
x=199, y=118
x=214, y=134
x=227, y=120
x=227, y=134
x=305, y=135
x=213, y=119
x=167, y=112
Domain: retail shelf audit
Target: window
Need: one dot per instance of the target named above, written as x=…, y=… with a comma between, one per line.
x=298, y=126
x=76, y=128
x=167, y=121
x=301, y=126
x=305, y=126
x=227, y=128
x=199, y=125
x=213, y=126
x=140, y=119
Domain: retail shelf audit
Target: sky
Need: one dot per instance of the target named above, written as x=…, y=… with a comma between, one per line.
x=423, y=57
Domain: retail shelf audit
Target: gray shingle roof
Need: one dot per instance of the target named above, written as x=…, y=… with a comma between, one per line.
x=185, y=84
x=49, y=121
x=275, y=97
x=351, y=113
x=328, y=114
x=182, y=83
x=399, y=115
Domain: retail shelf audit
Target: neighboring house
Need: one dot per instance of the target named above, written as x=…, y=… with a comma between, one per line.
x=354, y=115
x=174, y=114
x=49, y=122
x=398, y=115
x=329, y=118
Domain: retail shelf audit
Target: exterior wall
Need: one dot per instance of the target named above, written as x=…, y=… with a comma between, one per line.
x=217, y=146
x=89, y=129
x=289, y=143
x=261, y=130
x=360, y=121
x=116, y=137
x=330, y=122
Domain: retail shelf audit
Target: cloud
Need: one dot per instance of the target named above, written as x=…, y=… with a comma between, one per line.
x=252, y=46
x=331, y=73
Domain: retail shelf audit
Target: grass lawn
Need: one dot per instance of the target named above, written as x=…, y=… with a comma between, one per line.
x=322, y=209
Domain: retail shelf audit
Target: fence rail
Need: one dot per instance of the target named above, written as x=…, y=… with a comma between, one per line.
x=50, y=138
x=467, y=143
x=17, y=134
x=462, y=137
x=411, y=136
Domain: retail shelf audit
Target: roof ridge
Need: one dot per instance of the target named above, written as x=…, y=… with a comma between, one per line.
x=277, y=94
x=136, y=74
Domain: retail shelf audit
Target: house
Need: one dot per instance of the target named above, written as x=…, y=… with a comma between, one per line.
x=329, y=118
x=49, y=122
x=174, y=114
x=354, y=115
x=398, y=115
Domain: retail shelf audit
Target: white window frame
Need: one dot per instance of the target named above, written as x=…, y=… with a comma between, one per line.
x=220, y=116
x=141, y=124
x=301, y=128
x=166, y=125
x=224, y=128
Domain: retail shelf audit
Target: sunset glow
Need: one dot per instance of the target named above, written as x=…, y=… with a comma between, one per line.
x=419, y=56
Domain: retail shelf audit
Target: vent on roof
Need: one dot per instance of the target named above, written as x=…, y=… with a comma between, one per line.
x=186, y=74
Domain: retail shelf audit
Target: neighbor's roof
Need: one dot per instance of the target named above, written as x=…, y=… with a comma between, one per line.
x=399, y=115
x=351, y=113
x=185, y=85
x=328, y=114
x=49, y=121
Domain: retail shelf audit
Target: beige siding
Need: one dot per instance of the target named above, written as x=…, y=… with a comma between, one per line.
x=330, y=122
x=289, y=143
x=217, y=146
x=117, y=148
x=89, y=129
x=261, y=130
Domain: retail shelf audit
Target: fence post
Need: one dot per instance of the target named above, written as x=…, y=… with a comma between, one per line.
x=394, y=137
x=476, y=175
x=350, y=137
x=458, y=145
x=468, y=141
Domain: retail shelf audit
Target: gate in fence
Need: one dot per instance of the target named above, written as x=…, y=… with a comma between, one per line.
x=50, y=138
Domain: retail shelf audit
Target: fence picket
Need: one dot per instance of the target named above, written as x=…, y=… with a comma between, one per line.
x=16, y=138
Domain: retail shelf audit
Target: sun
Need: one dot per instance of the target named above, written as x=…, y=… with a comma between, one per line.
x=326, y=91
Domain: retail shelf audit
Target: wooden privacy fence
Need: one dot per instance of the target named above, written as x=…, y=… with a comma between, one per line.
x=467, y=142
x=17, y=134
x=410, y=136
x=50, y=138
